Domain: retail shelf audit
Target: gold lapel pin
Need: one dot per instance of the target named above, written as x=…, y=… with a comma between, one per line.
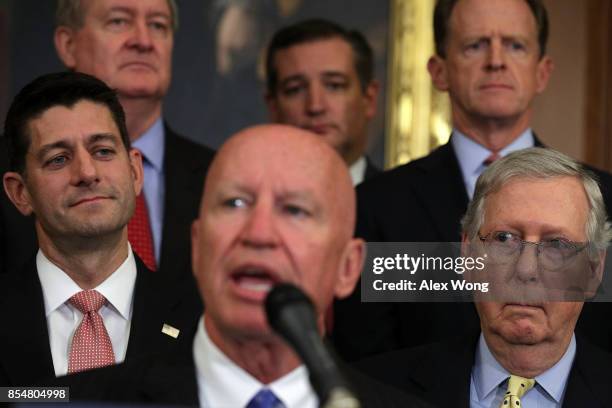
x=170, y=331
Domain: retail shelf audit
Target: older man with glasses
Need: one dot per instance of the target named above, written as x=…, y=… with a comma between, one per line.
x=540, y=220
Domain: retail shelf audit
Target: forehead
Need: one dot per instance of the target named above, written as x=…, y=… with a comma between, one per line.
x=557, y=204
x=83, y=119
x=489, y=17
x=315, y=56
x=95, y=7
x=278, y=166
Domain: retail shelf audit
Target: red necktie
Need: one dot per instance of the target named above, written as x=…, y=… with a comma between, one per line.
x=139, y=233
x=91, y=345
x=492, y=157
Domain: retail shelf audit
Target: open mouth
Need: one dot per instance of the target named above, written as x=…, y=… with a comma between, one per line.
x=255, y=279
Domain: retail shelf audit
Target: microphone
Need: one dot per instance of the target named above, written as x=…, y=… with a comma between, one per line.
x=291, y=314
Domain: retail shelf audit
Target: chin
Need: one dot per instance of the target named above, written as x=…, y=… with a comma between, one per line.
x=525, y=333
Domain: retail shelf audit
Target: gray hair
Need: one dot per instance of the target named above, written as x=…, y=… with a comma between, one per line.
x=539, y=163
x=70, y=13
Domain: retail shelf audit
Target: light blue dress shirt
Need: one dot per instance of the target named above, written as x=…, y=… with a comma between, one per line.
x=471, y=155
x=151, y=145
x=489, y=381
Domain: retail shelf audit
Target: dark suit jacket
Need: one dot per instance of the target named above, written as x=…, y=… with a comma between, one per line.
x=25, y=354
x=371, y=170
x=423, y=201
x=173, y=382
x=185, y=166
x=440, y=373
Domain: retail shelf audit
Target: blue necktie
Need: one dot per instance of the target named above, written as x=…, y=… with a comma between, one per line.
x=265, y=398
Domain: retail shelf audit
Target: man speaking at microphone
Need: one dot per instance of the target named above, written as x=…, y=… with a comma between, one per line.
x=279, y=206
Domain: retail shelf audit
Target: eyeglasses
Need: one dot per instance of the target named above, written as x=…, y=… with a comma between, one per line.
x=503, y=246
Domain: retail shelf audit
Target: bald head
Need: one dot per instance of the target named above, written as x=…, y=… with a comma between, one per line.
x=285, y=153
x=278, y=206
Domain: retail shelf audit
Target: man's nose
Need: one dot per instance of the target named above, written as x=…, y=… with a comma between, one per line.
x=316, y=101
x=496, y=58
x=141, y=36
x=84, y=169
x=526, y=267
x=260, y=229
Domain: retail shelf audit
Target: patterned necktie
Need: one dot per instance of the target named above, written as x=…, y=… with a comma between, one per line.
x=265, y=398
x=91, y=345
x=517, y=387
x=492, y=157
x=139, y=233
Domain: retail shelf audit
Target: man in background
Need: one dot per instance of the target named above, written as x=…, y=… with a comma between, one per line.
x=320, y=77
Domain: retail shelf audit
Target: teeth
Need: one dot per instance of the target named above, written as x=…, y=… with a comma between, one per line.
x=257, y=286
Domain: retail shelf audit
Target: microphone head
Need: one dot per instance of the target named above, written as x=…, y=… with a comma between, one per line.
x=281, y=296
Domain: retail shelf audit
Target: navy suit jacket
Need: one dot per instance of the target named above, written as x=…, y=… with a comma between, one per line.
x=25, y=354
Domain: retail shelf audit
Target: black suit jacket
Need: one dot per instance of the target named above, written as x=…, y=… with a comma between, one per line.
x=371, y=170
x=440, y=373
x=185, y=166
x=423, y=201
x=25, y=354
x=173, y=382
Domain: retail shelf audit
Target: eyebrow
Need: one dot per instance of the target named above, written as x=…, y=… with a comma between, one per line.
x=325, y=74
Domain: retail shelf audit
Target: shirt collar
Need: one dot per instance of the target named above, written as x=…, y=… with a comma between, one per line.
x=357, y=170
x=58, y=287
x=151, y=144
x=489, y=374
x=471, y=154
x=228, y=385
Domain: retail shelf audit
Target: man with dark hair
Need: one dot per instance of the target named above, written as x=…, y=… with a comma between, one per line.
x=85, y=300
x=490, y=58
x=319, y=77
x=128, y=45
x=538, y=215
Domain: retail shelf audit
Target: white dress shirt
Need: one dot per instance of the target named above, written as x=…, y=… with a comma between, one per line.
x=223, y=384
x=471, y=155
x=63, y=319
x=357, y=170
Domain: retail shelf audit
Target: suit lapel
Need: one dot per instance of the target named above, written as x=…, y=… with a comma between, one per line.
x=442, y=192
x=26, y=353
x=185, y=166
x=589, y=382
x=150, y=305
x=371, y=170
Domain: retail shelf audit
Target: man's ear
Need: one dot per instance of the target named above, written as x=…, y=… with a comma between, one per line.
x=596, y=276
x=544, y=71
x=370, y=98
x=438, y=72
x=137, y=171
x=64, y=45
x=350, y=268
x=195, y=246
x=17, y=192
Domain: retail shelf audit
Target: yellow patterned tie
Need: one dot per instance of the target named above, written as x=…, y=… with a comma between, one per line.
x=517, y=387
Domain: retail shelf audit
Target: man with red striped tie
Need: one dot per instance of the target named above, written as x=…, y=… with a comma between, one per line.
x=85, y=300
